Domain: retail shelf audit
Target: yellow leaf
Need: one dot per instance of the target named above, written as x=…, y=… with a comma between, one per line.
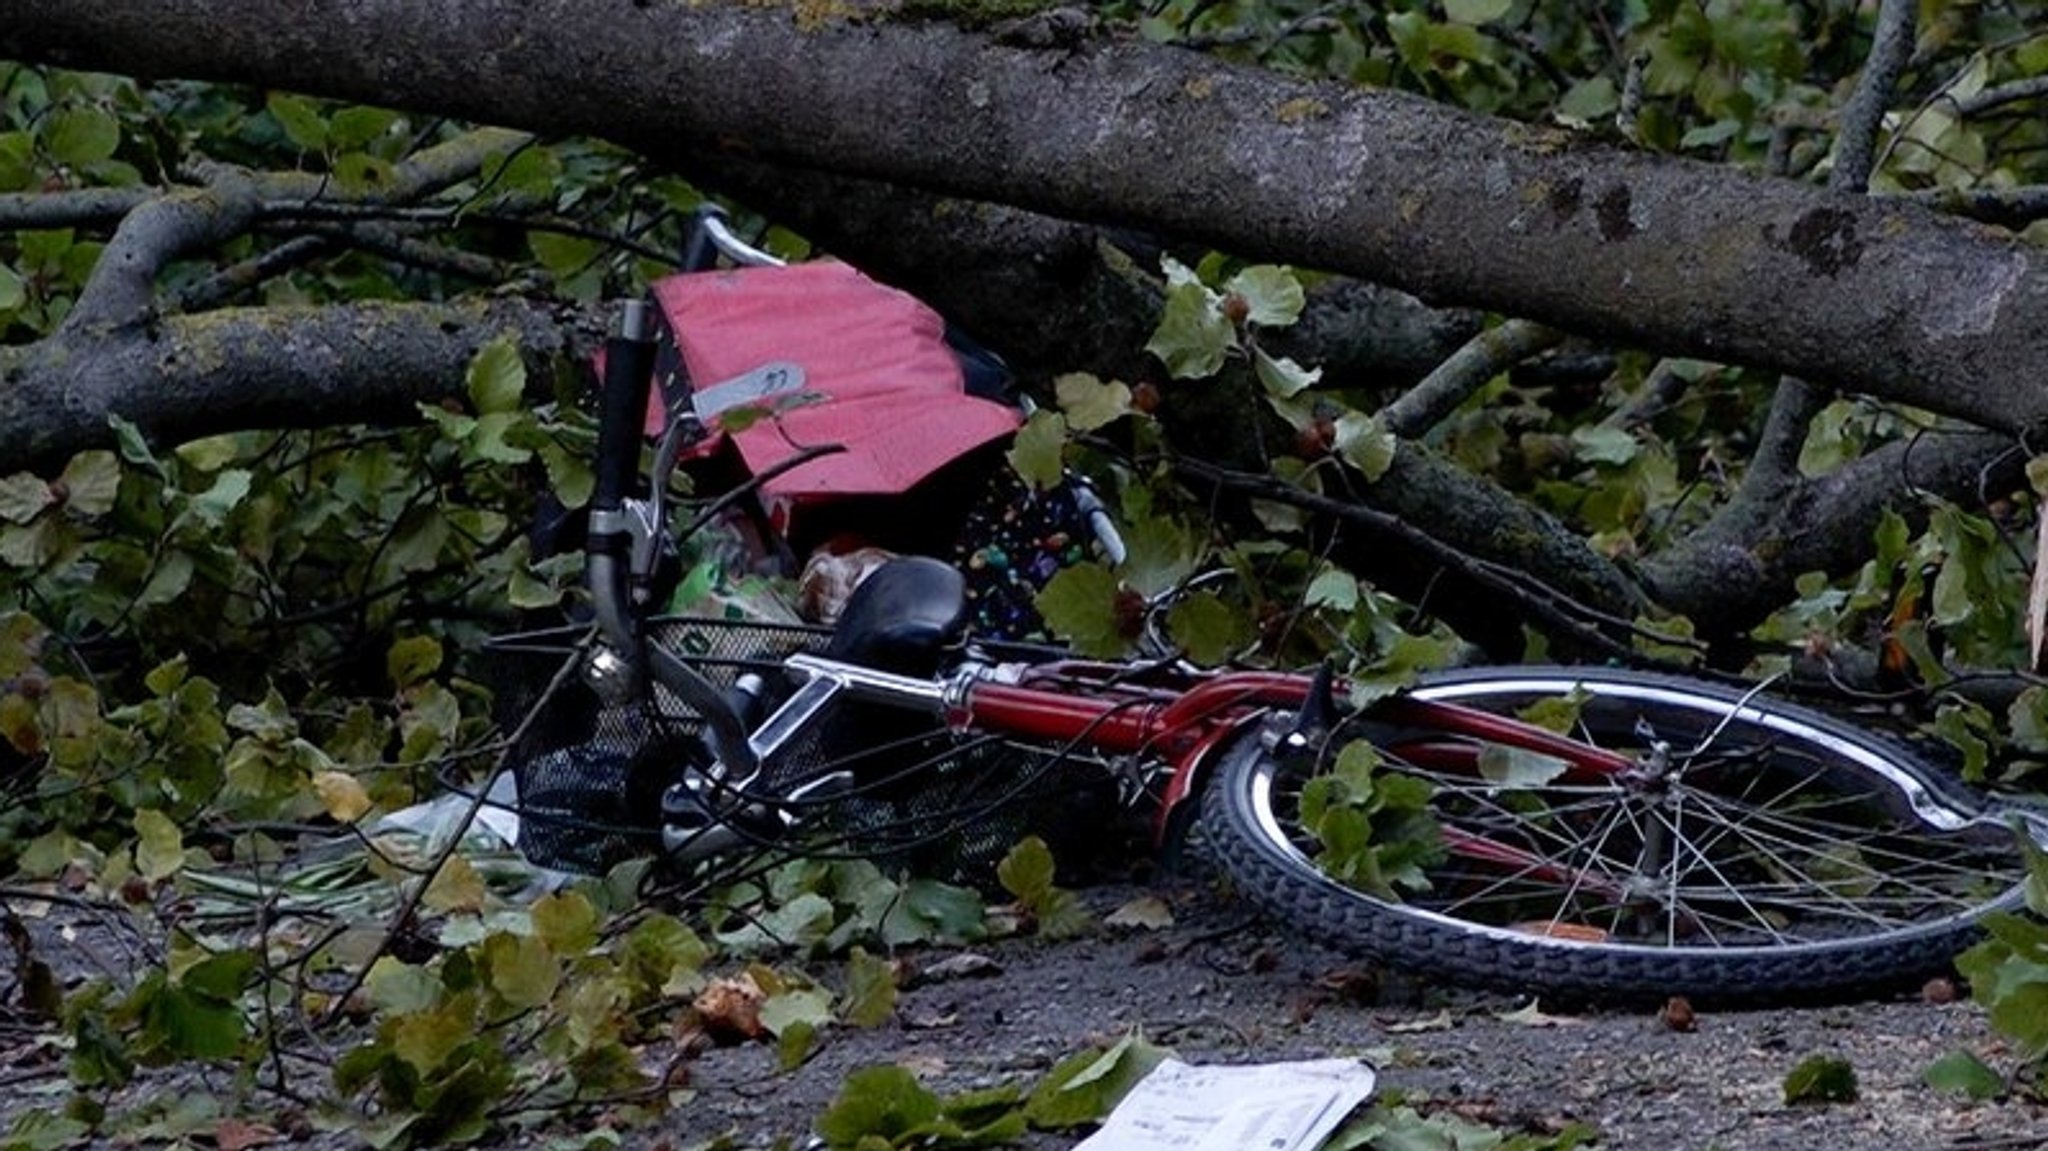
x=566, y=921
x=456, y=887
x=342, y=795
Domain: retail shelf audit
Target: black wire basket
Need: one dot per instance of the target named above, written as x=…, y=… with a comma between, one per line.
x=925, y=799
x=590, y=773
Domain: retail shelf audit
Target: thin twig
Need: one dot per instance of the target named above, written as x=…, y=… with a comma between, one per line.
x=410, y=906
x=1467, y=370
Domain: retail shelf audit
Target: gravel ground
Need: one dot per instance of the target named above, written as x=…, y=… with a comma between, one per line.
x=1219, y=985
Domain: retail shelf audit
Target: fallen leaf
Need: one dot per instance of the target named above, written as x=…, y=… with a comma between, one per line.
x=1532, y=1015
x=1938, y=990
x=965, y=965
x=232, y=1134
x=1678, y=1014
x=730, y=1009
x=1441, y=1021
x=1822, y=1079
x=1148, y=912
x=938, y=1022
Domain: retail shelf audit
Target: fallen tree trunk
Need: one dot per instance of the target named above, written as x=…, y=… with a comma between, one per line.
x=1662, y=253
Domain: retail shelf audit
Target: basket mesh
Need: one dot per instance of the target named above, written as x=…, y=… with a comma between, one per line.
x=591, y=775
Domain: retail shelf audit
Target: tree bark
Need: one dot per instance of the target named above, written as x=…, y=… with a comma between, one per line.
x=1656, y=252
x=271, y=367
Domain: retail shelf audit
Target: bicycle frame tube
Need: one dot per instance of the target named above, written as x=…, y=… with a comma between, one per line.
x=1088, y=705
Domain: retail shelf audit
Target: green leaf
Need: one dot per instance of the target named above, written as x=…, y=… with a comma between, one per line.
x=1282, y=378
x=566, y=921
x=229, y=488
x=412, y=659
x=133, y=446
x=91, y=481
x=362, y=174
x=17, y=161
x=1160, y=554
x=1209, y=630
x=1332, y=588
x=359, y=126
x=930, y=911
x=1590, y=100
x=1600, y=444
x=78, y=137
x=793, y=1044
x=1365, y=443
x=182, y=1023
x=159, y=845
x=496, y=380
x=1027, y=870
x=23, y=497
x=1273, y=293
x=1476, y=11
x=221, y=976
x=167, y=580
x=797, y=1006
x=1821, y=1079
x=563, y=256
x=13, y=289
x=1086, y=1087
x=1194, y=336
x=1079, y=605
x=395, y=987
x=1089, y=403
x=1516, y=767
x=523, y=972
x=301, y=120
x=1037, y=452
x=425, y=1039
x=417, y=541
x=870, y=996
x=1961, y=1073
x=876, y=1102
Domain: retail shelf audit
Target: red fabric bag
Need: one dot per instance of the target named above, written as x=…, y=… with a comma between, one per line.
x=839, y=359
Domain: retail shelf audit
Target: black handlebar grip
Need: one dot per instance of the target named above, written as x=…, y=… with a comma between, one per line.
x=622, y=408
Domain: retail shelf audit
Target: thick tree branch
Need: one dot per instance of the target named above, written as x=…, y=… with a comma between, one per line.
x=1665, y=254
x=1055, y=295
x=81, y=208
x=1736, y=569
x=122, y=287
x=1772, y=483
x=189, y=376
x=2013, y=208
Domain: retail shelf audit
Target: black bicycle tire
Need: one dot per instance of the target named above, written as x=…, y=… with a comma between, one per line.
x=1293, y=890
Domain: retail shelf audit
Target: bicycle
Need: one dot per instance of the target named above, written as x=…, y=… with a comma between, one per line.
x=1591, y=832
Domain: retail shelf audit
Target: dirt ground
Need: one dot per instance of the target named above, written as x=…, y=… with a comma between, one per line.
x=1219, y=985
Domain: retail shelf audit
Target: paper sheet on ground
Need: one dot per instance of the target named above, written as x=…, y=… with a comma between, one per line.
x=1262, y=1107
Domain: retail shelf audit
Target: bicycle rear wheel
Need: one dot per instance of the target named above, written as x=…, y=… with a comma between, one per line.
x=1751, y=850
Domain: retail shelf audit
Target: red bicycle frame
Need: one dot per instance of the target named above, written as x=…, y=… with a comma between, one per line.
x=1097, y=706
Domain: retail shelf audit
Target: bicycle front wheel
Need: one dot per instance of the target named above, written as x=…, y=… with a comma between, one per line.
x=1707, y=842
